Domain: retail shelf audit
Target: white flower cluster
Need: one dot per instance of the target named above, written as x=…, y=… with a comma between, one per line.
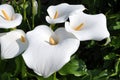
x=44, y=50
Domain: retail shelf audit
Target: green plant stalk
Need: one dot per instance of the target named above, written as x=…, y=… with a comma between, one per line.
x=24, y=71
x=24, y=13
x=52, y=26
x=28, y=25
x=33, y=16
x=54, y=76
x=39, y=8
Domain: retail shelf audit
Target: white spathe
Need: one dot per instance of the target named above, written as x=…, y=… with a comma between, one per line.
x=93, y=27
x=12, y=43
x=63, y=10
x=8, y=18
x=44, y=58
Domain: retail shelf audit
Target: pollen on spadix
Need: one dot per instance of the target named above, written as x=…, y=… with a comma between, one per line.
x=56, y=15
x=22, y=38
x=79, y=27
x=5, y=15
x=52, y=41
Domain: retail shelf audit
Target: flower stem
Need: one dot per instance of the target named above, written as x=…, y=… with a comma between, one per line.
x=33, y=16
x=52, y=26
x=24, y=14
x=39, y=8
x=28, y=25
x=54, y=76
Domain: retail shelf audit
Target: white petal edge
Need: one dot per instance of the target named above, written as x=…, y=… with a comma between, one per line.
x=76, y=9
x=65, y=35
x=58, y=20
x=61, y=8
x=95, y=26
x=17, y=19
x=46, y=59
x=64, y=10
x=11, y=44
x=44, y=33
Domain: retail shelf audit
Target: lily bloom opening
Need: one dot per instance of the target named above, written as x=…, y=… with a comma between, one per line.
x=88, y=27
x=49, y=51
x=8, y=18
x=13, y=43
x=60, y=13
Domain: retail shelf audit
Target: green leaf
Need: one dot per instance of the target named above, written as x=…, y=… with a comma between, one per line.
x=75, y=66
x=5, y=76
x=115, y=42
x=110, y=56
x=101, y=76
x=117, y=66
x=117, y=26
x=49, y=78
x=87, y=77
x=20, y=67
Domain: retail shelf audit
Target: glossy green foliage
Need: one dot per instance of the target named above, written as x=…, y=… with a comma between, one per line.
x=93, y=60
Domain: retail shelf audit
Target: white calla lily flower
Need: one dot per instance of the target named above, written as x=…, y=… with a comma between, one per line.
x=49, y=51
x=60, y=13
x=12, y=43
x=88, y=27
x=8, y=18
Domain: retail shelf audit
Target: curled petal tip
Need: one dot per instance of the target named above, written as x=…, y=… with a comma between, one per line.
x=107, y=41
